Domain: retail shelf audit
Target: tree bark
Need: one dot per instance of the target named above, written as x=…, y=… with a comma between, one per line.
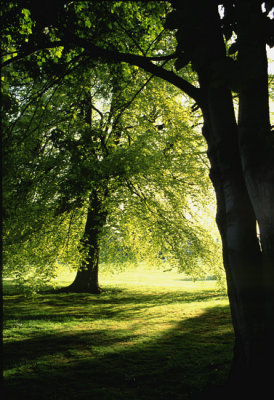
x=256, y=144
x=86, y=280
x=241, y=253
x=236, y=216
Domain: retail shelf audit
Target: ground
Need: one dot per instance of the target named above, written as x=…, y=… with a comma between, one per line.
x=149, y=335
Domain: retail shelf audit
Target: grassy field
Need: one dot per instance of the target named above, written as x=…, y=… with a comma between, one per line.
x=149, y=335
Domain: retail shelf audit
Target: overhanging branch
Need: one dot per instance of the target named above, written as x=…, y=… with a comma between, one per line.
x=71, y=40
x=31, y=49
x=145, y=63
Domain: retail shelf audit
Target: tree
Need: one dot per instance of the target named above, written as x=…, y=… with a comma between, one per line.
x=93, y=144
x=239, y=154
x=240, y=151
x=34, y=235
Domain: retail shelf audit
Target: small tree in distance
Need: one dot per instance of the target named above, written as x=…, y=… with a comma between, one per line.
x=105, y=145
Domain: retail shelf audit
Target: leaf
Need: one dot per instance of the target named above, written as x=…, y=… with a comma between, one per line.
x=26, y=12
x=87, y=23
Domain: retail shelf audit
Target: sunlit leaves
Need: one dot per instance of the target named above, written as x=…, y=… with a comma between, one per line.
x=79, y=125
x=27, y=23
x=107, y=130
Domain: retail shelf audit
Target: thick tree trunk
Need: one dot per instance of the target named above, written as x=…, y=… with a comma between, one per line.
x=237, y=225
x=86, y=280
x=235, y=216
x=256, y=144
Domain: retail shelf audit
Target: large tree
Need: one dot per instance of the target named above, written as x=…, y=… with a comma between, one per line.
x=225, y=44
x=98, y=150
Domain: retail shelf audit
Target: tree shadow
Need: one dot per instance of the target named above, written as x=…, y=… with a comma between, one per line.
x=64, y=307
x=193, y=355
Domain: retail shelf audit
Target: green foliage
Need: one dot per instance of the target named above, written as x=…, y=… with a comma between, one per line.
x=68, y=141
x=37, y=244
x=160, y=213
x=72, y=126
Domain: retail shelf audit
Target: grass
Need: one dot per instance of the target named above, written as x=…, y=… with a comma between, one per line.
x=149, y=335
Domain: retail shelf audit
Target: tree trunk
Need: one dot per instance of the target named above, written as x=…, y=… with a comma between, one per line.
x=86, y=280
x=256, y=144
x=237, y=225
x=235, y=215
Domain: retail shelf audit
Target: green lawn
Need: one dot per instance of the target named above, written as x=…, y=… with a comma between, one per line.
x=149, y=335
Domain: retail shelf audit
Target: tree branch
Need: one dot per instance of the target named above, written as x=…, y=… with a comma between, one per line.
x=145, y=63
x=95, y=52
x=71, y=40
x=28, y=50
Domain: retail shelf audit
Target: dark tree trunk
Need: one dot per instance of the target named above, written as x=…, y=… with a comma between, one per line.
x=236, y=218
x=86, y=280
x=237, y=225
x=256, y=144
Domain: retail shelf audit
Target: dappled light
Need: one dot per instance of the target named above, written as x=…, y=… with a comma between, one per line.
x=142, y=342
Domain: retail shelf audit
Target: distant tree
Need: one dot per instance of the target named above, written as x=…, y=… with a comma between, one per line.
x=97, y=146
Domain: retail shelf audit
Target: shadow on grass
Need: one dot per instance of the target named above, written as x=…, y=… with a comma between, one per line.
x=182, y=361
x=65, y=307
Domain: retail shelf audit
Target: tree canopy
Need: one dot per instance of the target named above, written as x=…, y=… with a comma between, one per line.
x=108, y=134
